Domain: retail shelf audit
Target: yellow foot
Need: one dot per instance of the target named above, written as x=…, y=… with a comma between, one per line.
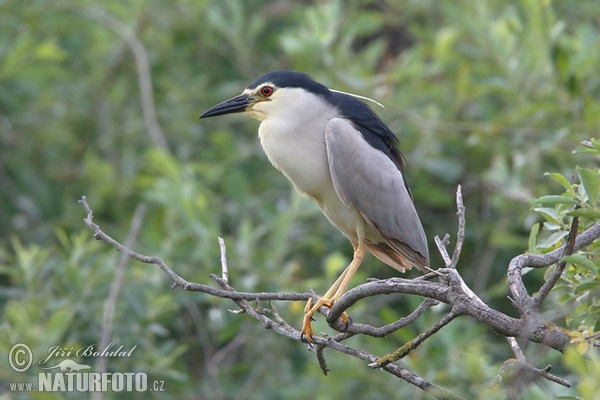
x=310, y=310
x=307, y=332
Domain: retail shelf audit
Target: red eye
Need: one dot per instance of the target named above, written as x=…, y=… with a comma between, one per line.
x=266, y=91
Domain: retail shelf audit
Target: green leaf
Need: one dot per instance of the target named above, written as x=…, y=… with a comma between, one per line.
x=555, y=199
x=560, y=179
x=585, y=286
x=587, y=213
x=591, y=183
x=533, y=237
x=551, y=240
x=549, y=214
x=565, y=297
x=591, y=146
x=581, y=261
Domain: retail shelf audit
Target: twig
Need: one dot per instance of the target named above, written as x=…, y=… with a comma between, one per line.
x=224, y=268
x=321, y=359
x=179, y=281
x=441, y=245
x=366, y=329
x=460, y=235
x=279, y=326
x=393, y=368
x=450, y=289
x=541, y=295
x=375, y=287
x=413, y=344
x=522, y=301
x=450, y=292
x=437, y=391
x=514, y=345
x=276, y=316
x=521, y=364
x=453, y=291
x=247, y=308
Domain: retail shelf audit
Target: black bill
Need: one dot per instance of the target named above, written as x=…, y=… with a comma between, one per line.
x=233, y=105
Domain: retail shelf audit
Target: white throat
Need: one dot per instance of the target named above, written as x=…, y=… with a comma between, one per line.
x=292, y=136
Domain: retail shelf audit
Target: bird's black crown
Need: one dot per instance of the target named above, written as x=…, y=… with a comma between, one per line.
x=290, y=79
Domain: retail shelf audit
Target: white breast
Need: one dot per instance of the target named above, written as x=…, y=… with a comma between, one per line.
x=293, y=139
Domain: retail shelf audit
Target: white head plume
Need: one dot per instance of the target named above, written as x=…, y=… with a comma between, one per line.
x=360, y=97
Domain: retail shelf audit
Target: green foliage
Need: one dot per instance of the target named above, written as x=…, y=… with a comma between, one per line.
x=490, y=95
x=580, y=287
x=587, y=367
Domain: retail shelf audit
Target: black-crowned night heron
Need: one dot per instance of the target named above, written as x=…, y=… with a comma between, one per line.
x=336, y=150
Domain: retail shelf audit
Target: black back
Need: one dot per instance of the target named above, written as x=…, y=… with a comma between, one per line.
x=365, y=120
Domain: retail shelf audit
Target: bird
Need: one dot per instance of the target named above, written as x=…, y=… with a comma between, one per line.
x=334, y=148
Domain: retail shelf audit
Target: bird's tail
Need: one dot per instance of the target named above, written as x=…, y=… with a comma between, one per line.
x=399, y=255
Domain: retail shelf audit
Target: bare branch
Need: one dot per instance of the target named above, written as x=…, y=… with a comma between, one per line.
x=321, y=359
x=413, y=344
x=514, y=345
x=224, y=268
x=365, y=329
x=460, y=236
x=453, y=291
x=375, y=287
x=286, y=330
x=179, y=281
x=442, y=244
x=393, y=368
x=523, y=302
x=560, y=267
x=268, y=323
x=521, y=364
x=449, y=288
x=259, y=313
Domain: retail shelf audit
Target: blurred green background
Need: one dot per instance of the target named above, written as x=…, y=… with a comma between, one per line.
x=488, y=94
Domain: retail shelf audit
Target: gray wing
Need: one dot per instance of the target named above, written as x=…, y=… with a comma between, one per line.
x=367, y=179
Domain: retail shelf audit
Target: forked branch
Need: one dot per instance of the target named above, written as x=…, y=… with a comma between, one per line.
x=444, y=285
x=278, y=325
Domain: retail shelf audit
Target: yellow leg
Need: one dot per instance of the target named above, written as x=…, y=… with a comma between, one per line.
x=335, y=291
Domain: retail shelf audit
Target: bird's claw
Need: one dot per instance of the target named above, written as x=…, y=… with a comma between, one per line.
x=307, y=332
x=347, y=320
